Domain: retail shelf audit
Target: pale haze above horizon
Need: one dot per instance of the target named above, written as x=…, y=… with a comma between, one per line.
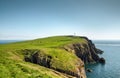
x=31, y=19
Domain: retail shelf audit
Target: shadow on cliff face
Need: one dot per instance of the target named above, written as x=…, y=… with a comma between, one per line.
x=86, y=51
x=36, y=57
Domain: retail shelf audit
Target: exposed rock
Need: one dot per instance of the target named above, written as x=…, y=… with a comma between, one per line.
x=35, y=56
x=98, y=51
x=102, y=60
x=89, y=70
x=85, y=51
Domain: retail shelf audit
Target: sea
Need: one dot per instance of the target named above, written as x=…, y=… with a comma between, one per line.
x=111, y=69
x=9, y=41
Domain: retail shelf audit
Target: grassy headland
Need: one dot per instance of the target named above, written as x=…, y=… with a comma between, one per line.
x=13, y=64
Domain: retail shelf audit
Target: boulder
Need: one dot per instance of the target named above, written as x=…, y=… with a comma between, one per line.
x=102, y=60
x=89, y=70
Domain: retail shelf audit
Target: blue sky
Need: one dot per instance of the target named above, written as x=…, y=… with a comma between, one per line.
x=31, y=19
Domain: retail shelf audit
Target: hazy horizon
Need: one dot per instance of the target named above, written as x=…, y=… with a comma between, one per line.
x=32, y=19
x=58, y=35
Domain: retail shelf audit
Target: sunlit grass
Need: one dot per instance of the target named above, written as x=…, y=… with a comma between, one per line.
x=12, y=64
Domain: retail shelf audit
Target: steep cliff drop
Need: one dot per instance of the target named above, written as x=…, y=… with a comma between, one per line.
x=86, y=51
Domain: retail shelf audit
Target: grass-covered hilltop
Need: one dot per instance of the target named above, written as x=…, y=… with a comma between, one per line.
x=51, y=57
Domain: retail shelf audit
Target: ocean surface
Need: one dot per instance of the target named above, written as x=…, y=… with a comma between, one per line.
x=8, y=41
x=111, y=69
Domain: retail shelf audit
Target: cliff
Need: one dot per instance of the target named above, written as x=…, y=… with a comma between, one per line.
x=62, y=56
x=87, y=51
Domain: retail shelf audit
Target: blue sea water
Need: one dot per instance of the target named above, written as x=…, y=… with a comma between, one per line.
x=8, y=41
x=111, y=69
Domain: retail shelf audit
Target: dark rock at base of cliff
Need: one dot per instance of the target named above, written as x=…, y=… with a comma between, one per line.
x=98, y=51
x=89, y=70
x=102, y=60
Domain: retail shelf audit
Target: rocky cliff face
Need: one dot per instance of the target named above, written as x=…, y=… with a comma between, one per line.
x=87, y=51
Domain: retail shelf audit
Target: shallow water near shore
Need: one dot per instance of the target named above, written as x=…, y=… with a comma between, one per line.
x=111, y=69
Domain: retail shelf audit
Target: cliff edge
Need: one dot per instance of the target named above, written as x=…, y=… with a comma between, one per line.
x=86, y=51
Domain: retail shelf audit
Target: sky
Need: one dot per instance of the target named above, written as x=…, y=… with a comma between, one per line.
x=31, y=19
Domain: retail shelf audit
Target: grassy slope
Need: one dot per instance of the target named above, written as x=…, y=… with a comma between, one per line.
x=12, y=64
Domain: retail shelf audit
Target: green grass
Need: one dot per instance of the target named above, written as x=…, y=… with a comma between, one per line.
x=12, y=64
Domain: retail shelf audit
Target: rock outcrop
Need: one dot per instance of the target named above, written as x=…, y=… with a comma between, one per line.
x=89, y=70
x=102, y=60
x=85, y=51
x=37, y=57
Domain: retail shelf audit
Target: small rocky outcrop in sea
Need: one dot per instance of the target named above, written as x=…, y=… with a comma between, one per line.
x=89, y=70
x=102, y=60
